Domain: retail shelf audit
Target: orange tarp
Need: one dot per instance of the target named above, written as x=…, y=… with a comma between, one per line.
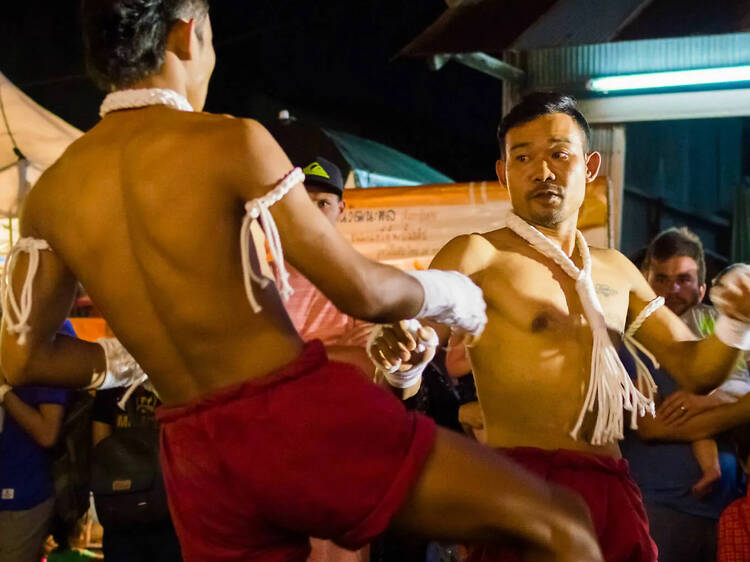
x=406, y=226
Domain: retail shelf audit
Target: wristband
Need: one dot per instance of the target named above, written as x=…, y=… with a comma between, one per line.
x=122, y=369
x=4, y=389
x=404, y=379
x=453, y=299
x=396, y=377
x=734, y=333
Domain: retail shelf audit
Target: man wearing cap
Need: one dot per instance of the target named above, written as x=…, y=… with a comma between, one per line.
x=312, y=313
x=316, y=317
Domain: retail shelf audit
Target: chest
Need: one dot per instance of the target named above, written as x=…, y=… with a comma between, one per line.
x=537, y=296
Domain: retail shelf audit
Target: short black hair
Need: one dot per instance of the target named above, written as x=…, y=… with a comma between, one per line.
x=537, y=104
x=126, y=40
x=677, y=242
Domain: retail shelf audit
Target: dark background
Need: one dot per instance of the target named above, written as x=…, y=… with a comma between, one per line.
x=329, y=61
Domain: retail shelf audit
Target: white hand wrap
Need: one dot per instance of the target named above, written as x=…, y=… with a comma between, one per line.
x=453, y=299
x=396, y=377
x=122, y=368
x=734, y=333
x=732, y=326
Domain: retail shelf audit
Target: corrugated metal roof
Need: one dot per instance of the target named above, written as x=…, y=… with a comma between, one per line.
x=579, y=22
x=570, y=67
x=491, y=26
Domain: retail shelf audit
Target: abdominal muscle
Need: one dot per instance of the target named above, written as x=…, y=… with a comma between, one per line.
x=531, y=388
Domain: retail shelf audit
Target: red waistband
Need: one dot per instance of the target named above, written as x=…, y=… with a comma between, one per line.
x=312, y=357
x=565, y=458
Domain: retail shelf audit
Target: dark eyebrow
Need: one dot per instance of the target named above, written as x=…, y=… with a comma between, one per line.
x=519, y=145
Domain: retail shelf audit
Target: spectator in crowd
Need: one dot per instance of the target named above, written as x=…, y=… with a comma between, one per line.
x=313, y=314
x=734, y=524
x=31, y=422
x=676, y=269
x=685, y=487
x=316, y=317
x=130, y=534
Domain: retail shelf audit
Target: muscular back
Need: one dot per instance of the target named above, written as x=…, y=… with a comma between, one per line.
x=140, y=211
x=532, y=363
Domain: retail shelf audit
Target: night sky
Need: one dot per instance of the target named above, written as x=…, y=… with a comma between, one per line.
x=329, y=61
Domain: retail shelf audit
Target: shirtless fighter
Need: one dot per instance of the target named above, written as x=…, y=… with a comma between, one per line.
x=550, y=384
x=264, y=441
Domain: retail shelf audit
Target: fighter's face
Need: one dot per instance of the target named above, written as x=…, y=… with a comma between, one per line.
x=328, y=203
x=676, y=279
x=546, y=169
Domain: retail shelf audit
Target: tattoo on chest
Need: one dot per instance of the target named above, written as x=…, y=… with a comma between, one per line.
x=605, y=290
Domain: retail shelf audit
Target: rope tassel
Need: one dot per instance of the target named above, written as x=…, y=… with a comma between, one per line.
x=17, y=314
x=610, y=389
x=257, y=210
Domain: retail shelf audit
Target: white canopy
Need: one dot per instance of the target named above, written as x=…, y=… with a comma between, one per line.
x=40, y=136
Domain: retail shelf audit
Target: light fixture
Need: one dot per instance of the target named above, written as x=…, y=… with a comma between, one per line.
x=670, y=79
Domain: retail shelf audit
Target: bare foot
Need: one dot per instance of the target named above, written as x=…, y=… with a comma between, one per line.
x=704, y=486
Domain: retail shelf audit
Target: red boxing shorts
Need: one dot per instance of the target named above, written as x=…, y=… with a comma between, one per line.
x=313, y=449
x=605, y=485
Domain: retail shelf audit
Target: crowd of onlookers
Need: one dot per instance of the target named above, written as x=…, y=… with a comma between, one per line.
x=688, y=461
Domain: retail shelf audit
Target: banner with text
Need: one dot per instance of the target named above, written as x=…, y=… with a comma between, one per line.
x=406, y=226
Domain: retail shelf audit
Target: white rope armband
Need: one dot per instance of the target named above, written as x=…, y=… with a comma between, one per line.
x=453, y=299
x=734, y=333
x=257, y=210
x=646, y=382
x=17, y=312
x=122, y=368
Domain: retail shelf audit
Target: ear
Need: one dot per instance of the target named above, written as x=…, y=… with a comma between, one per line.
x=593, y=163
x=702, y=292
x=500, y=171
x=342, y=205
x=180, y=38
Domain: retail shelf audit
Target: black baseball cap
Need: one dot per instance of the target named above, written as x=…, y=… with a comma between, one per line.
x=325, y=174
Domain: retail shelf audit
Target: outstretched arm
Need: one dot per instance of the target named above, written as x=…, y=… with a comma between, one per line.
x=357, y=286
x=698, y=366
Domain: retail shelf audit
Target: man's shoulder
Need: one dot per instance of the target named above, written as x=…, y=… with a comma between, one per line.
x=466, y=253
x=608, y=255
x=615, y=260
x=236, y=129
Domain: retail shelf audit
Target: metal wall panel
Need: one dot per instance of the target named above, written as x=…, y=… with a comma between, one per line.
x=571, y=67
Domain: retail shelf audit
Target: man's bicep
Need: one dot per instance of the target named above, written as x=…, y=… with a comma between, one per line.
x=52, y=291
x=310, y=242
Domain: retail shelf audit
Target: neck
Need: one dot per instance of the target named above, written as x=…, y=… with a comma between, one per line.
x=562, y=235
x=170, y=77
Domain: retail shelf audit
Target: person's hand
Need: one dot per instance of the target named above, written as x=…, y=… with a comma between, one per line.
x=399, y=347
x=731, y=295
x=680, y=406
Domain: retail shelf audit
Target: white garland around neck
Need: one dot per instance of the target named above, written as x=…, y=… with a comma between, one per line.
x=610, y=388
x=131, y=99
